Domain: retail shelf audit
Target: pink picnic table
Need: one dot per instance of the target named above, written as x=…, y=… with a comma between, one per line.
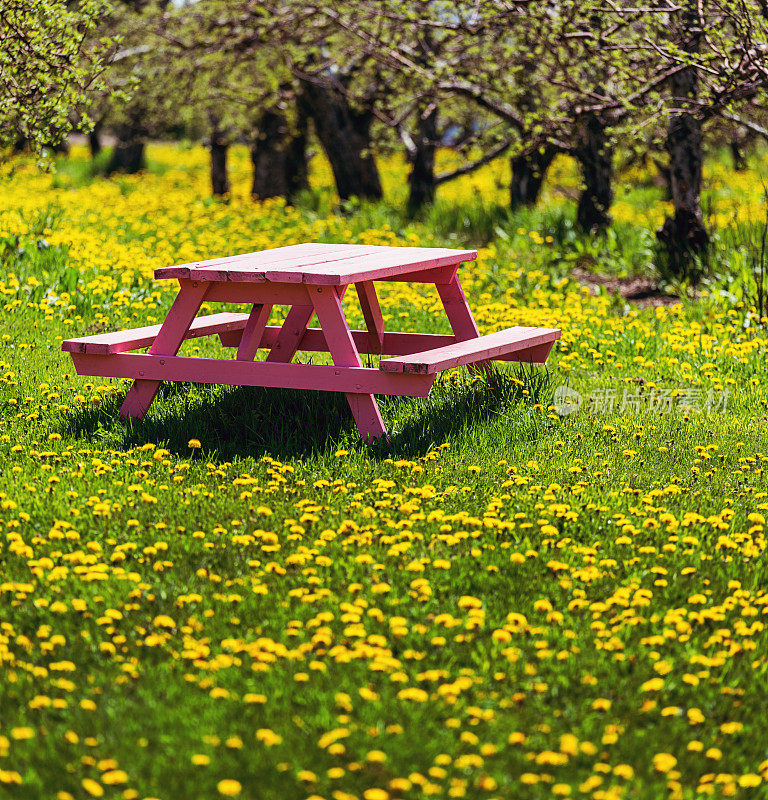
x=311, y=279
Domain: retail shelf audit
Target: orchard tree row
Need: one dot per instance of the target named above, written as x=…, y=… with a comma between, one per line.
x=595, y=79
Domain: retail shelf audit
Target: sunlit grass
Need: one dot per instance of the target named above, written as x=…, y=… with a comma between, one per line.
x=235, y=597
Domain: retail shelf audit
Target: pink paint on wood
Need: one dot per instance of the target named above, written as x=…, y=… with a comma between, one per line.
x=395, y=343
x=294, y=328
x=167, y=342
x=287, y=342
x=252, y=261
x=457, y=310
x=436, y=275
x=135, y=338
x=341, y=345
x=482, y=348
x=276, y=294
x=374, y=321
x=256, y=267
x=317, y=377
x=253, y=332
x=386, y=263
x=533, y=355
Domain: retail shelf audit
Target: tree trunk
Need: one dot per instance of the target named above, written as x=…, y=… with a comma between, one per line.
x=279, y=157
x=737, y=153
x=684, y=233
x=344, y=134
x=94, y=139
x=128, y=155
x=297, y=166
x=528, y=173
x=219, y=177
x=421, y=180
x=595, y=157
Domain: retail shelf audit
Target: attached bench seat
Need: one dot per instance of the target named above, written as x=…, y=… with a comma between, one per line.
x=136, y=338
x=513, y=344
x=530, y=345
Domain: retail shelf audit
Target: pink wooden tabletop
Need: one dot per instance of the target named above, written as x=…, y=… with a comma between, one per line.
x=317, y=263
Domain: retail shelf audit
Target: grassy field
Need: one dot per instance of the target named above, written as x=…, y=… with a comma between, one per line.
x=235, y=598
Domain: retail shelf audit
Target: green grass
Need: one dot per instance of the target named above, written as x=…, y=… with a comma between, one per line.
x=498, y=602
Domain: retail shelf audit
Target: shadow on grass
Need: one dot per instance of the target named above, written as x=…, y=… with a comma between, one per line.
x=241, y=422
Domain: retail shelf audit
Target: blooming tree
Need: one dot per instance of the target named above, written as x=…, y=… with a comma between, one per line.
x=49, y=64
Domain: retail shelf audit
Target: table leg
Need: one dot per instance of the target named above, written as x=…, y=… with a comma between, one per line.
x=374, y=321
x=460, y=316
x=253, y=331
x=167, y=342
x=457, y=310
x=290, y=336
x=330, y=313
x=292, y=332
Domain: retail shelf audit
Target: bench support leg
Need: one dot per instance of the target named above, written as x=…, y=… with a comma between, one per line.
x=171, y=335
x=327, y=304
x=374, y=321
x=294, y=328
x=533, y=355
x=460, y=316
x=253, y=332
x=457, y=310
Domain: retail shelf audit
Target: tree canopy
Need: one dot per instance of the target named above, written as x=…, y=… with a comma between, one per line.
x=50, y=60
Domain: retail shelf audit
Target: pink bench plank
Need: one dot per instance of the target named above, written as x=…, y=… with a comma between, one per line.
x=135, y=338
x=393, y=344
x=358, y=380
x=482, y=348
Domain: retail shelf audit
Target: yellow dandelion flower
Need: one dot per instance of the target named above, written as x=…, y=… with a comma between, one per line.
x=94, y=788
x=664, y=762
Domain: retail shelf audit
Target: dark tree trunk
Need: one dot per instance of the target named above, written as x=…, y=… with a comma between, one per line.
x=297, y=165
x=528, y=173
x=421, y=180
x=279, y=157
x=219, y=177
x=128, y=155
x=595, y=156
x=268, y=157
x=94, y=140
x=684, y=233
x=737, y=152
x=664, y=179
x=344, y=134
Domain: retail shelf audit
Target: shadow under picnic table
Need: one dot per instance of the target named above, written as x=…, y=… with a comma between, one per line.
x=238, y=422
